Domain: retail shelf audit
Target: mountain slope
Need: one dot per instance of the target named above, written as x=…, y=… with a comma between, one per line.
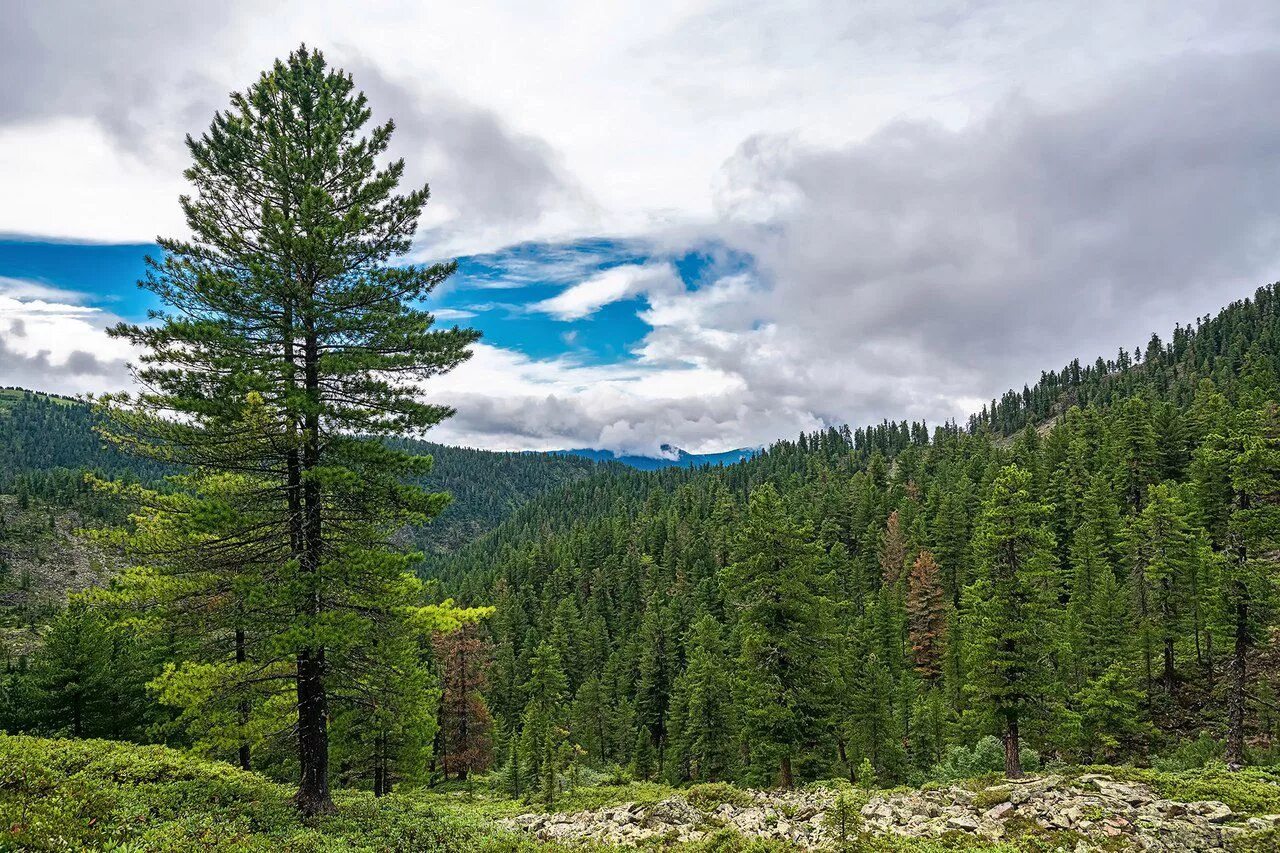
x=46, y=442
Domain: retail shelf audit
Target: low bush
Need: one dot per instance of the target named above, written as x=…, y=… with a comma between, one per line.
x=984, y=757
x=103, y=795
x=708, y=795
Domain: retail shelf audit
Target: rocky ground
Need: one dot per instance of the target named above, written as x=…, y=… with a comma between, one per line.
x=1078, y=814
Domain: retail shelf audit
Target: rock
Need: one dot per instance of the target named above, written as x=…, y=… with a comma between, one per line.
x=1103, y=813
x=1211, y=810
x=999, y=811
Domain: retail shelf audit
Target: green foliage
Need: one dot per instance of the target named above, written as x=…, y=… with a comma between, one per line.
x=708, y=795
x=1249, y=791
x=288, y=348
x=982, y=759
x=58, y=795
x=784, y=668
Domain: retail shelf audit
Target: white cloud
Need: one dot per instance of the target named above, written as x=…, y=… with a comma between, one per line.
x=448, y=314
x=609, y=286
x=58, y=347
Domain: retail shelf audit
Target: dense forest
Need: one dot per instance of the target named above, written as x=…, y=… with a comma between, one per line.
x=1085, y=570
x=873, y=603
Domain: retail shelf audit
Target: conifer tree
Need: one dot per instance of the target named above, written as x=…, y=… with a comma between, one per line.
x=542, y=731
x=926, y=614
x=783, y=658
x=893, y=550
x=1166, y=553
x=703, y=736
x=73, y=675
x=1249, y=456
x=465, y=724
x=287, y=348
x=1007, y=605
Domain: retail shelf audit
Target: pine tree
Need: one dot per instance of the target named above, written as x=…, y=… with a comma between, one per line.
x=703, y=736
x=289, y=348
x=1249, y=456
x=73, y=674
x=877, y=735
x=466, y=727
x=1166, y=554
x=1007, y=605
x=893, y=550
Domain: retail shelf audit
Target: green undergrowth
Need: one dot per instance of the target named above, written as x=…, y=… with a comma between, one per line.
x=103, y=795
x=1251, y=791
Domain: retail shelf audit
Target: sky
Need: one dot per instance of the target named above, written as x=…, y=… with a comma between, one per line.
x=700, y=223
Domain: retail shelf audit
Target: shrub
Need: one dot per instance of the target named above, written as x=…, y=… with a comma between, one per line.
x=708, y=795
x=66, y=794
x=1190, y=755
x=984, y=757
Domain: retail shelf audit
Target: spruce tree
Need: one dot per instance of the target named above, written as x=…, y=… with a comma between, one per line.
x=1008, y=606
x=926, y=617
x=542, y=731
x=784, y=658
x=703, y=736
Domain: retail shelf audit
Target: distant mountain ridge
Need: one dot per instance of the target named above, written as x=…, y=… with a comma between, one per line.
x=674, y=457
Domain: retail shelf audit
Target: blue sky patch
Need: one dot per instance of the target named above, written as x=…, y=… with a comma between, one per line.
x=493, y=292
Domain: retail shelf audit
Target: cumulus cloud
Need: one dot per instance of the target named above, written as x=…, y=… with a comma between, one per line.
x=923, y=270
x=940, y=199
x=59, y=347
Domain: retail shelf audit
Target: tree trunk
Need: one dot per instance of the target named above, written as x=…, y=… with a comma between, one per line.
x=1012, y=748
x=785, y=777
x=313, y=735
x=1169, y=675
x=1236, y=692
x=313, y=713
x=241, y=656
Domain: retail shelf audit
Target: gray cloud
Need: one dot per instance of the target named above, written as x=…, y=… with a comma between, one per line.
x=490, y=176
x=80, y=371
x=120, y=65
x=952, y=264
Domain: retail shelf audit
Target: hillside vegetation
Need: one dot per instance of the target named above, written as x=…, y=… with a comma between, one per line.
x=1084, y=573
x=1088, y=573
x=48, y=442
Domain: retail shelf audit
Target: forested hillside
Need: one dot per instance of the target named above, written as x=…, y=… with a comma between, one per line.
x=48, y=442
x=1085, y=570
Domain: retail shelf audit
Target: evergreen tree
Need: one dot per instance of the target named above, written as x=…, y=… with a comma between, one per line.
x=73, y=674
x=542, y=731
x=465, y=724
x=290, y=347
x=1007, y=606
x=926, y=613
x=783, y=658
x=703, y=738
